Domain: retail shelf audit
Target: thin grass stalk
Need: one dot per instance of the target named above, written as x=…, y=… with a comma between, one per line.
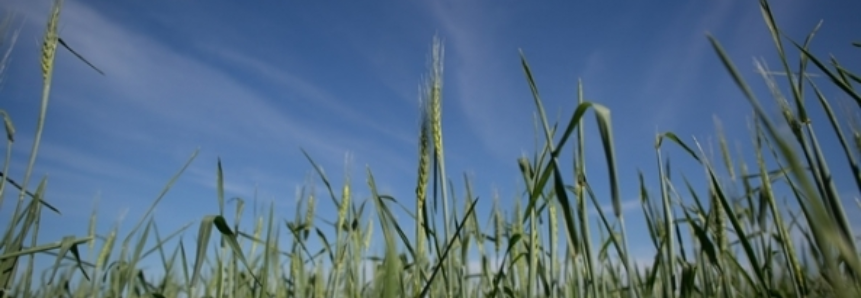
x=831, y=197
x=667, y=271
x=344, y=218
x=789, y=252
x=421, y=196
x=818, y=210
x=604, y=127
x=220, y=275
x=4, y=30
x=719, y=214
x=435, y=103
x=470, y=234
x=815, y=159
x=825, y=184
x=553, y=230
x=49, y=50
x=532, y=254
x=35, y=218
x=341, y=251
x=853, y=163
x=8, y=267
x=582, y=204
x=10, y=132
x=552, y=167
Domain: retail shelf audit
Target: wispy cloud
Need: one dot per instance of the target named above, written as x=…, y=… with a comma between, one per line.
x=157, y=94
x=158, y=100
x=676, y=68
x=473, y=64
x=311, y=94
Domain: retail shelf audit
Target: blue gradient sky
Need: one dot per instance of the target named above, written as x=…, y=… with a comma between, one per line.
x=255, y=83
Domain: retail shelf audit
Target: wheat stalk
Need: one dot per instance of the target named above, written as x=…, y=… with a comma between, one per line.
x=421, y=194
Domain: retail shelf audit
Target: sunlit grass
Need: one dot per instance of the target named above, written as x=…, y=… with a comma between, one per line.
x=730, y=239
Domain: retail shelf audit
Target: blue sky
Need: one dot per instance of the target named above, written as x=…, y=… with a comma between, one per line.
x=255, y=83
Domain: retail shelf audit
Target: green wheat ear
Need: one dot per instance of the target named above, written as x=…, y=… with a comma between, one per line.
x=49, y=44
x=14, y=243
x=421, y=193
x=52, y=40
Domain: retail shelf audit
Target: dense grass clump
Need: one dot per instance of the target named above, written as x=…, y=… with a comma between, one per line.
x=709, y=242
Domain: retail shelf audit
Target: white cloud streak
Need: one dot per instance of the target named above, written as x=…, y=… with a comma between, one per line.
x=483, y=97
x=155, y=97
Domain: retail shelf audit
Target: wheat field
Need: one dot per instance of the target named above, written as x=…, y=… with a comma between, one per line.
x=709, y=242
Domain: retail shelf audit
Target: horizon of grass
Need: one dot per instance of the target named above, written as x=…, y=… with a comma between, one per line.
x=731, y=239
